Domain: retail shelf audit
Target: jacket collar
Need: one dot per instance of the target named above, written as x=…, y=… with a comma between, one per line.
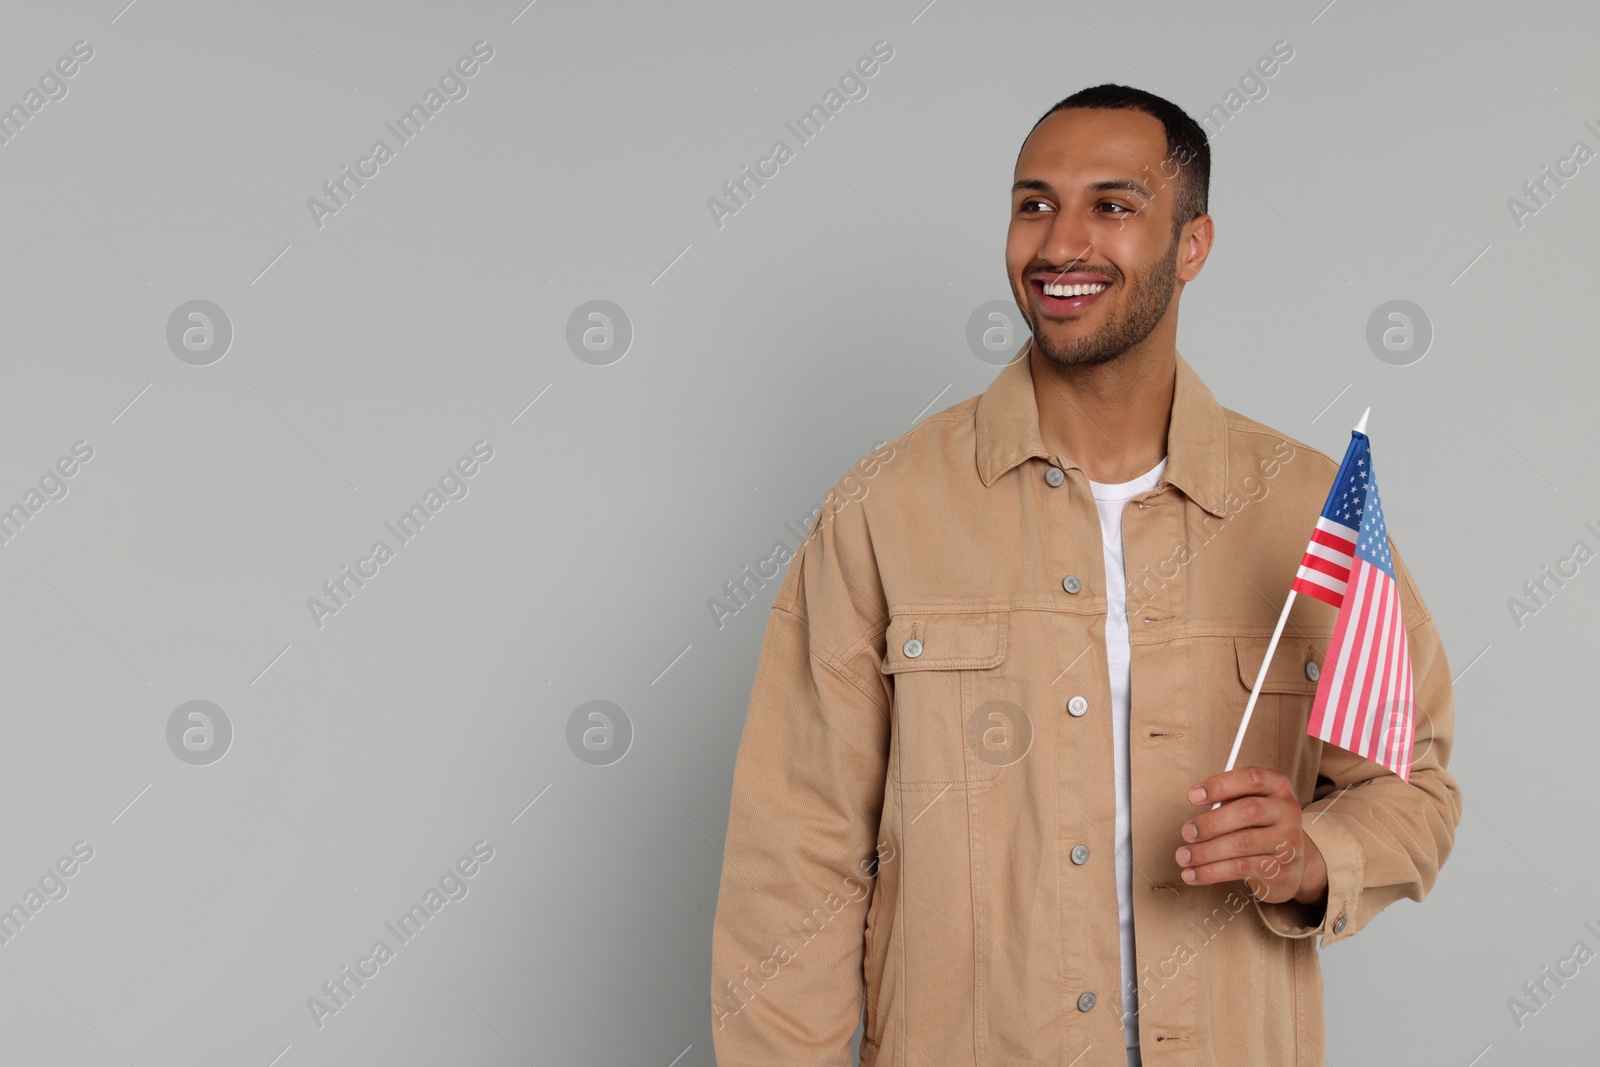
x=1197, y=443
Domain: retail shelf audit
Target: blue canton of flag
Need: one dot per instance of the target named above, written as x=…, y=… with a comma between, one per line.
x=1373, y=544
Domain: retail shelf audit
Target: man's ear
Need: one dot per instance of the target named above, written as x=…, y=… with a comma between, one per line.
x=1194, y=246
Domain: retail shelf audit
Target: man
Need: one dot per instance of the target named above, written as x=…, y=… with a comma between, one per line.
x=998, y=686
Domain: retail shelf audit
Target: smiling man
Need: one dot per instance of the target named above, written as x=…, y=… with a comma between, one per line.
x=975, y=784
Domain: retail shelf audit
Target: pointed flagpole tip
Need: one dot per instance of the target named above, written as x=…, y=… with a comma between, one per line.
x=1361, y=427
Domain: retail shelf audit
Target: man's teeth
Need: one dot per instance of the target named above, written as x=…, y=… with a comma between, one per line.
x=1073, y=290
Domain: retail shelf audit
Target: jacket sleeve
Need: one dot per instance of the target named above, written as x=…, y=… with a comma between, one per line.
x=787, y=983
x=1380, y=836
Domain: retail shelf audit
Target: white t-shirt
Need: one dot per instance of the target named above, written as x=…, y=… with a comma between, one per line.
x=1109, y=500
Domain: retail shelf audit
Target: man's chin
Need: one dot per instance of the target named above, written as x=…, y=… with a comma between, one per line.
x=1075, y=354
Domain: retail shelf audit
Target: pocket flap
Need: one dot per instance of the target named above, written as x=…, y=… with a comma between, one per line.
x=1288, y=673
x=945, y=641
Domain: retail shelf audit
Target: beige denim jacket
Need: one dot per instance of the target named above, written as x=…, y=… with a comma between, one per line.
x=929, y=739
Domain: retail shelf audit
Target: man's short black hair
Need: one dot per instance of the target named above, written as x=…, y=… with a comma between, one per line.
x=1188, y=159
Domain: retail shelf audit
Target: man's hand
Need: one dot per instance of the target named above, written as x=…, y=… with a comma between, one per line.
x=1255, y=835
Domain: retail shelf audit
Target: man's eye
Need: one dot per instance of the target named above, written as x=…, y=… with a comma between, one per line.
x=1122, y=209
x=1032, y=207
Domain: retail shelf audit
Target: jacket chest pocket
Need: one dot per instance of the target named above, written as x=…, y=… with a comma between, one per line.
x=955, y=720
x=1277, y=734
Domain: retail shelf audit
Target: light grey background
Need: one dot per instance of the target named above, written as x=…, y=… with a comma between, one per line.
x=768, y=355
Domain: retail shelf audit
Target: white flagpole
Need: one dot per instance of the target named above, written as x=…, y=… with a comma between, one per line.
x=1272, y=646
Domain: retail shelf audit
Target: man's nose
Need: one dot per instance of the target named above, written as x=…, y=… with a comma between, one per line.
x=1068, y=242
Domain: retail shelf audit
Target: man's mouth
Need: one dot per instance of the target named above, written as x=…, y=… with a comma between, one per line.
x=1066, y=296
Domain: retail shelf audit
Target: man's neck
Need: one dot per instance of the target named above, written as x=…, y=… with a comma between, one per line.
x=1109, y=418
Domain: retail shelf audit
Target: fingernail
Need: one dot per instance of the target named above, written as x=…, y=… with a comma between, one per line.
x=1197, y=794
x=1188, y=874
x=1183, y=856
x=1189, y=832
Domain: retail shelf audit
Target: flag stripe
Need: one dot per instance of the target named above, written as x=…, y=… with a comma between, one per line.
x=1375, y=739
x=1410, y=710
x=1350, y=659
x=1338, y=529
x=1326, y=566
x=1393, y=728
x=1356, y=711
x=1340, y=538
x=1366, y=606
x=1335, y=585
x=1303, y=583
x=1317, y=548
x=1404, y=700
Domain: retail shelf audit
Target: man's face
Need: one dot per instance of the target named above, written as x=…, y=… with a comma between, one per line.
x=1093, y=207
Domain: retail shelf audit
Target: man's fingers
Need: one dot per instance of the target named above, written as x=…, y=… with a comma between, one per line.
x=1247, y=869
x=1260, y=887
x=1235, y=815
x=1239, y=782
x=1260, y=873
x=1263, y=844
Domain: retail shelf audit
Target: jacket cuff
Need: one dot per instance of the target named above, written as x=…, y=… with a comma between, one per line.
x=1336, y=920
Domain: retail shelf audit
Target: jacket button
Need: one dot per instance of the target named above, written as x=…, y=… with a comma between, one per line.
x=1055, y=476
x=912, y=648
x=1080, y=854
x=1313, y=671
x=1071, y=584
x=1086, y=1002
x=1338, y=925
x=1077, y=706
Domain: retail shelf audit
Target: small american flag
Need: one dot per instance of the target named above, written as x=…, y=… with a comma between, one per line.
x=1364, y=697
